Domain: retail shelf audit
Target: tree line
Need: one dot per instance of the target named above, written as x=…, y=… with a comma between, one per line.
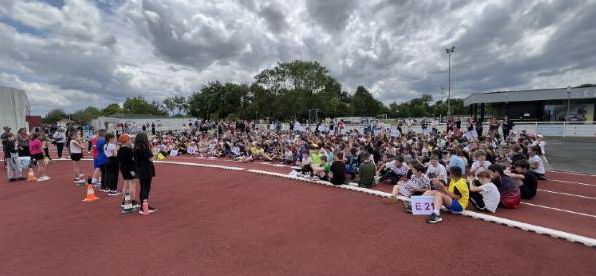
x=293, y=90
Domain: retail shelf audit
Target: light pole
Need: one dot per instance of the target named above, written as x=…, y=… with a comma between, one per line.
x=568, y=101
x=449, y=51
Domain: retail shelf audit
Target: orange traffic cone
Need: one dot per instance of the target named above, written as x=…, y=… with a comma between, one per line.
x=145, y=207
x=31, y=175
x=90, y=194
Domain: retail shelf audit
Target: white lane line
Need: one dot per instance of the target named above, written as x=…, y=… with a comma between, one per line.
x=568, y=194
x=572, y=182
x=557, y=209
x=573, y=172
x=200, y=165
x=511, y=223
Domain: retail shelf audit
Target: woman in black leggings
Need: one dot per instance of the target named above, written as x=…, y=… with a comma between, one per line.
x=144, y=167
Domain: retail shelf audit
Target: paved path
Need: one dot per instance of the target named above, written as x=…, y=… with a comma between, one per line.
x=572, y=154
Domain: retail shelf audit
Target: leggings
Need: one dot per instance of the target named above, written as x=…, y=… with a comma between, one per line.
x=60, y=147
x=145, y=182
x=111, y=172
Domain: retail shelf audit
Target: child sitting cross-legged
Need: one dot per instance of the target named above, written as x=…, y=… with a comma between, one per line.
x=454, y=198
x=418, y=184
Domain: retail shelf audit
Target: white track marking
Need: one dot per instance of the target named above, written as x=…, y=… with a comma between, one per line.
x=200, y=165
x=557, y=209
x=571, y=182
x=572, y=172
x=567, y=194
x=511, y=223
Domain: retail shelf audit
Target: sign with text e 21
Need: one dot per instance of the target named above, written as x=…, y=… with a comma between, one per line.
x=422, y=205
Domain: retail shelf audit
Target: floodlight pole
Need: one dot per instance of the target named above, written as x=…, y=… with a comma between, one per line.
x=449, y=51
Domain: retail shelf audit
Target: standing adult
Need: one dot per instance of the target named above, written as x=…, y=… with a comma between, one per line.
x=507, y=127
x=23, y=142
x=153, y=129
x=59, y=140
x=4, y=138
x=144, y=166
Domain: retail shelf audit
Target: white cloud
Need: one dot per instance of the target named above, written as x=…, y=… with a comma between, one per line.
x=96, y=52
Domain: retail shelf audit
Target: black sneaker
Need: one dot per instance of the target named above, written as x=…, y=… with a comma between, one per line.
x=113, y=193
x=135, y=204
x=21, y=178
x=408, y=206
x=12, y=179
x=434, y=218
x=152, y=210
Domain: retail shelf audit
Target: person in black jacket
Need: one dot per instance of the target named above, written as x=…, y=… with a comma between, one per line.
x=144, y=167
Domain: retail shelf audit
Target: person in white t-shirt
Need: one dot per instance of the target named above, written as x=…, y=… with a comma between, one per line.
x=536, y=165
x=539, y=142
x=397, y=170
x=416, y=185
x=480, y=164
x=485, y=196
x=436, y=169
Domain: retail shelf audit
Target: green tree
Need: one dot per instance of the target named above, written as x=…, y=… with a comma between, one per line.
x=85, y=115
x=364, y=104
x=54, y=116
x=138, y=105
x=111, y=109
x=300, y=85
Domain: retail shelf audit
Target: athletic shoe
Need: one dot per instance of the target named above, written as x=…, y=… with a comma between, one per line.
x=122, y=205
x=434, y=218
x=12, y=179
x=151, y=210
x=135, y=204
x=408, y=206
x=127, y=211
x=113, y=193
x=21, y=178
x=104, y=190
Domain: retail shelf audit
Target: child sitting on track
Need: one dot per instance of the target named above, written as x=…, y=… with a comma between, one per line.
x=536, y=165
x=455, y=198
x=508, y=187
x=484, y=195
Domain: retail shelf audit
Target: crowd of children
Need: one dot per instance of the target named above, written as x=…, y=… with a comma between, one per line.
x=500, y=170
x=460, y=165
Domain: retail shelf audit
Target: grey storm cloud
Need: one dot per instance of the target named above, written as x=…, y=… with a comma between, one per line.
x=97, y=52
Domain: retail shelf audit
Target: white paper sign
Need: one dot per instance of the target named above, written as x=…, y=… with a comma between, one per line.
x=422, y=205
x=173, y=152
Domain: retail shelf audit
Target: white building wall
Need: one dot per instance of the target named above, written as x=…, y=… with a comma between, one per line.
x=14, y=107
x=135, y=125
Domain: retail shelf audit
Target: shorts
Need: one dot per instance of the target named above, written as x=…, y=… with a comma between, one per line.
x=96, y=164
x=38, y=156
x=126, y=174
x=76, y=156
x=455, y=206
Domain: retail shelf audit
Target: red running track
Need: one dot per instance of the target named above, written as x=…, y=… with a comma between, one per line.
x=216, y=222
x=573, y=214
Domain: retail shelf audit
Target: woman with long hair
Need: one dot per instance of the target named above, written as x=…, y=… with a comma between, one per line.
x=35, y=148
x=145, y=169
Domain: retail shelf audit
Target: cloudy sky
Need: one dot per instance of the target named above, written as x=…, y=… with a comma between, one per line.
x=74, y=53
